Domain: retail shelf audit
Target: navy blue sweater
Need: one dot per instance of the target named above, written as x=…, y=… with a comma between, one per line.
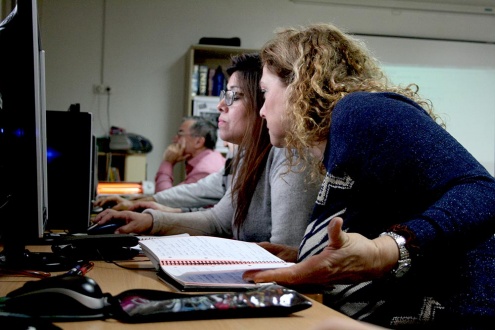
x=389, y=163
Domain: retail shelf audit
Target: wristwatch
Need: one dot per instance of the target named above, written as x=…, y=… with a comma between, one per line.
x=404, y=262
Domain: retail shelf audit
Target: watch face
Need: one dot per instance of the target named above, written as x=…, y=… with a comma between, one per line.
x=402, y=269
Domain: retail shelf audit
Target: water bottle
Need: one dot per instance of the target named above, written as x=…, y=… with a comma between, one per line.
x=218, y=81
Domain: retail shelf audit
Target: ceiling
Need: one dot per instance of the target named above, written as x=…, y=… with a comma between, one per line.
x=463, y=6
x=489, y=3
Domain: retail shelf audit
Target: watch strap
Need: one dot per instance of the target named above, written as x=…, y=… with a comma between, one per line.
x=404, y=262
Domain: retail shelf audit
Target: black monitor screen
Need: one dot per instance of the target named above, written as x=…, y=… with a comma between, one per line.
x=23, y=195
x=23, y=164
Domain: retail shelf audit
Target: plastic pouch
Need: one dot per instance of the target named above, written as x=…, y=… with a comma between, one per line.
x=140, y=306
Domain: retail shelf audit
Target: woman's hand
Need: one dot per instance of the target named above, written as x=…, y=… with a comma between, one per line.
x=138, y=223
x=140, y=206
x=348, y=258
x=284, y=252
x=114, y=201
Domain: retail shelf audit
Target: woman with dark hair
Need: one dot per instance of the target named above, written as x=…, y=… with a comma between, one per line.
x=264, y=202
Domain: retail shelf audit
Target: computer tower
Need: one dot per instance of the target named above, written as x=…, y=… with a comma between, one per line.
x=71, y=170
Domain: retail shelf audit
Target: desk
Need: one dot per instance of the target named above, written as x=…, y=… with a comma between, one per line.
x=114, y=280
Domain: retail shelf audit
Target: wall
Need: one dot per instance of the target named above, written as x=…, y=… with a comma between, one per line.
x=137, y=48
x=457, y=77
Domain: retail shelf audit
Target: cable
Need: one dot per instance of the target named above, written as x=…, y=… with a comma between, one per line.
x=5, y=201
x=108, y=109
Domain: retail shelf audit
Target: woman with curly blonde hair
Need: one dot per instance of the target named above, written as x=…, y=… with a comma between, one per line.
x=320, y=68
x=403, y=226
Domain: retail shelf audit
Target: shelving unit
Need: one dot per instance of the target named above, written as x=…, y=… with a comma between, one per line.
x=120, y=166
x=212, y=56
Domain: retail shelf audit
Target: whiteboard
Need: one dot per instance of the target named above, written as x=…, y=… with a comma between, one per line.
x=457, y=76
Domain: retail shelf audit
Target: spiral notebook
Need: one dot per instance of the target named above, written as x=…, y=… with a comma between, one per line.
x=205, y=263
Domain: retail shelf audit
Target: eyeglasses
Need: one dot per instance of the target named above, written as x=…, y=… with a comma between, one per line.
x=229, y=96
x=179, y=134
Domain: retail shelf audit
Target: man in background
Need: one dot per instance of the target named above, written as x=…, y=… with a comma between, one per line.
x=194, y=143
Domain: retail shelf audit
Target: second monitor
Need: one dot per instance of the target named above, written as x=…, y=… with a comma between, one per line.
x=71, y=170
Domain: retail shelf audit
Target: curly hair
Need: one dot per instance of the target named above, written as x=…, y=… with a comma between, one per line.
x=320, y=65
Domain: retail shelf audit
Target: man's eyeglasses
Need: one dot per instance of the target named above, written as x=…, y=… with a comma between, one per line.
x=179, y=134
x=229, y=96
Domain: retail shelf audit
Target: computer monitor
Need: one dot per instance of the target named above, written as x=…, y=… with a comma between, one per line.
x=23, y=171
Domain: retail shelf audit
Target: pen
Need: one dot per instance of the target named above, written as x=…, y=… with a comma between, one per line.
x=85, y=268
x=26, y=272
x=74, y=270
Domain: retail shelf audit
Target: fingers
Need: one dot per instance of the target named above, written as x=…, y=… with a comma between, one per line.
x=336, y=237
x=104, y=200
x=285, y=276
x=284, y=252
x=139, y=206
x=106, y=215
x=174, y=153
x=270, y=247
x=315, y=270
x=137, y=223
x=182, y=145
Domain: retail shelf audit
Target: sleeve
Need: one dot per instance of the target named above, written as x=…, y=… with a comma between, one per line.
x=206, y=163
x=164, y=178
x=192, y=223
x=395, y=145
x=206, y=192
x=292, y=199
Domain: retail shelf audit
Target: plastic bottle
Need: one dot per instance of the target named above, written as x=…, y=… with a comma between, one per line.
x=218, y=81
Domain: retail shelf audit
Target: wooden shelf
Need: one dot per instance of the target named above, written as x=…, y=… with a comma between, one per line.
x=121, y=166
x=209, y=55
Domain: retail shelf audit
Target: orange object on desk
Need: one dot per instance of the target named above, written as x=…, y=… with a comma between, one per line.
x=119, y=188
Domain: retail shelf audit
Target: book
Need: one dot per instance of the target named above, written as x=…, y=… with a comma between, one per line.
x=195, y=80
x=206, y=263
x=203, y=80
x=211, y=73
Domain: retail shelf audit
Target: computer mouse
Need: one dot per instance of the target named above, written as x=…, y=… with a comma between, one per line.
x=62, y=295
x=96, y=209
x=106, y=228
x=107, y=205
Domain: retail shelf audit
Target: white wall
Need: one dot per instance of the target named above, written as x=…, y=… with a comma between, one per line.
x=457, y=77
x=139, y=49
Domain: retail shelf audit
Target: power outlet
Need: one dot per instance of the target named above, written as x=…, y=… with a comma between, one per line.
x=101, y=89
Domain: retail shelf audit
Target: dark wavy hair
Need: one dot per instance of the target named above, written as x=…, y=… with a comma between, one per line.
x=250, y=160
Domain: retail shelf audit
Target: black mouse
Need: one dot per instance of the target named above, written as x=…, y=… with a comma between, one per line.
x=106, y=228
x=62, y=295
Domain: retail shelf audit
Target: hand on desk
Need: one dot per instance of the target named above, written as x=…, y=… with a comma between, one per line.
x=118, y=203
x=348, y=258
x=284, y=252
x=139, y=206
x=137, y=223
x=115, y=202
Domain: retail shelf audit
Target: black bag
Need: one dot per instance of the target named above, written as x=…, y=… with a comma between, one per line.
x=106, y=247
